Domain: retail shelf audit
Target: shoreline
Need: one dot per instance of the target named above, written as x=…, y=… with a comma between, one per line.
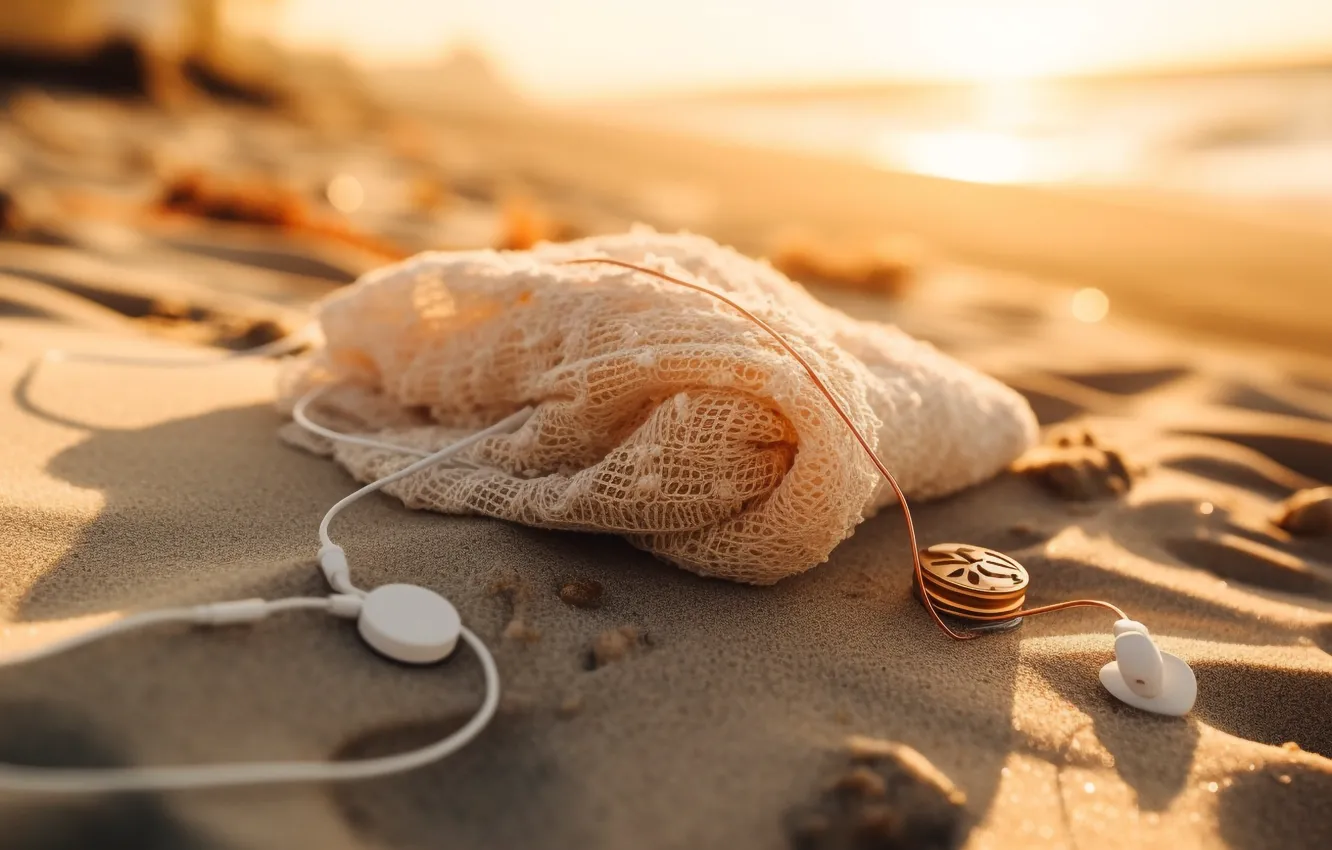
x=1222, y=272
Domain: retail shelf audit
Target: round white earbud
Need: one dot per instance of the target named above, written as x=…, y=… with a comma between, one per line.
x=1145, y=677
x=1140, y=664
x=409, y=624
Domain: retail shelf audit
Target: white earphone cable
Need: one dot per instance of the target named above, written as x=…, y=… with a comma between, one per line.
x=504, y=425
x=302, y=418
x=332, y=558
x=345, y=603
x=75, y=781
x=218, y=613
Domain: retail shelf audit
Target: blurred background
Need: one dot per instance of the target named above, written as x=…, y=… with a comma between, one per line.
x=1228, y=99
x=1173, y=156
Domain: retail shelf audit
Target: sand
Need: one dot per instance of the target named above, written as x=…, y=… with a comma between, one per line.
x=664, y=710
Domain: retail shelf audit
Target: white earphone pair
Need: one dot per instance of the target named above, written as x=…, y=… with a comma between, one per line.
x=415, y=625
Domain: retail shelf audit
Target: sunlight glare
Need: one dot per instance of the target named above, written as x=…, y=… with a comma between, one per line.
x=971, y=155
x=20, y=638
x=345, y=193
x=1090, y=305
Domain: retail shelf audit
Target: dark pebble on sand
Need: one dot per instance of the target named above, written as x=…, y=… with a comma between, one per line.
x=1079, y=470
x=581, y=593
x=889, y=796
x=1308, y=512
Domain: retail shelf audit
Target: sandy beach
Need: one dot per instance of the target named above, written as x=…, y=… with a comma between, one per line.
x=676, y=712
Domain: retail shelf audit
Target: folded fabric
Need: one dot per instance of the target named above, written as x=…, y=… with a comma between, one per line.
x=661, y=413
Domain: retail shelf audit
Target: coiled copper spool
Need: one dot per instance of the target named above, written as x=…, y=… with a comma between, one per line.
x=974, y=583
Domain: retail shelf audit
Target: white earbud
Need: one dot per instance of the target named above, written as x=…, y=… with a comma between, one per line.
x=1145, y=677
x=1139, y=659
x=408, y=623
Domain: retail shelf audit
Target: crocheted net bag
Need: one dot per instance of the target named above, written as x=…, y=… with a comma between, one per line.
x=662, y=414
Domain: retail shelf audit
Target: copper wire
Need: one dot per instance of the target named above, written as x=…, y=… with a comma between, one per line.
x=864, y=444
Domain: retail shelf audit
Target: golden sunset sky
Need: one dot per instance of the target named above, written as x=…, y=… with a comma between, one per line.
x=576, y=48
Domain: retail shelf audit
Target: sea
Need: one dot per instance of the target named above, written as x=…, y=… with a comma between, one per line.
x=1260, y=138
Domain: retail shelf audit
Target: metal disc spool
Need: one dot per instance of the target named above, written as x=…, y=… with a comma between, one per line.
x=974, y=584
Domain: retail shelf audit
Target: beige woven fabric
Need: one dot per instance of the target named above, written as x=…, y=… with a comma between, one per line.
x=661, y=413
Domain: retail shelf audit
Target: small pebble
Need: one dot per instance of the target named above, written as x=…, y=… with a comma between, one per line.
x=582, y=593
x=889, y=796
x=1307, y=513
x=1079, y=473
x=518, y=630
x=863, y=748
x=513, y=591
x=614, y=645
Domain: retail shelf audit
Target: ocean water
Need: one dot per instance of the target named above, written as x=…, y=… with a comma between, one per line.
x=1257, y=138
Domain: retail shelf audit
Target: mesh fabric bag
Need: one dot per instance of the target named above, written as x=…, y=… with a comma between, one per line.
x=661, y=413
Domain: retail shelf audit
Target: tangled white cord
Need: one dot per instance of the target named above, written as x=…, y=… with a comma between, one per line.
x=348, y=602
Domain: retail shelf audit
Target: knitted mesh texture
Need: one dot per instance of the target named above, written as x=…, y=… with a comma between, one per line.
x=662, y=414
